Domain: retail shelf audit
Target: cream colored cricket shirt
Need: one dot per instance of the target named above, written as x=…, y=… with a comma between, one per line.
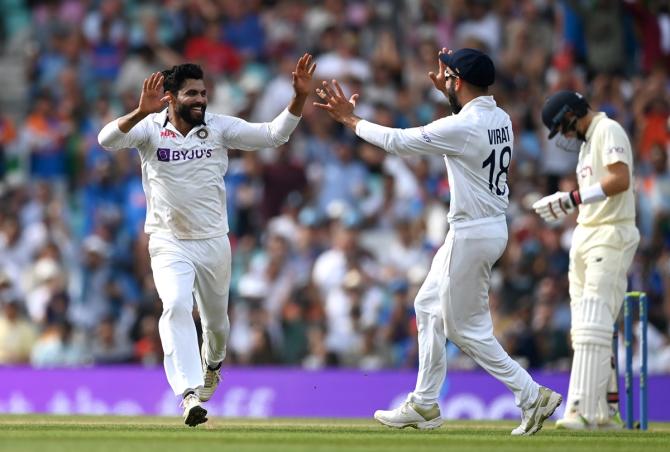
x=606, y=143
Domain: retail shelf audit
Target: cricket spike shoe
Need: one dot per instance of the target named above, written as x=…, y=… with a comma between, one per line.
x=534, y=416
x=409, y=414
x=194, y=413
x=212, y=378
x=577, y=422
x=613, y=423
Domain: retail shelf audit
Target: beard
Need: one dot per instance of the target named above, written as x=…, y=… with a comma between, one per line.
x=453, y=101
x=185, y=113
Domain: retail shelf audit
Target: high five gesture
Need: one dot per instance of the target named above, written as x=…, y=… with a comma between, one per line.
x=153, y=98
x=337, y=105
x=302, y=83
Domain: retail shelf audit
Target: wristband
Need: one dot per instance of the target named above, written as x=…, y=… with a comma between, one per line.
x=588, y=195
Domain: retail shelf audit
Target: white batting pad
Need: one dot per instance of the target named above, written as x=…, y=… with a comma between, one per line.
x=592, y=325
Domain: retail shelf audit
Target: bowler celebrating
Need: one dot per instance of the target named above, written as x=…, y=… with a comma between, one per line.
x=184, y=156
x=453, y=301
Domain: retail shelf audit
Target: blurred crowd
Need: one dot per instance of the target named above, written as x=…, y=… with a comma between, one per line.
x=331, y=237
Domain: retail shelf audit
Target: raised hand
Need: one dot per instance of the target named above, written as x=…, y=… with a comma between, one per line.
x=302, y=76
x=439, y=80
x=152, y=99
x=337, y=105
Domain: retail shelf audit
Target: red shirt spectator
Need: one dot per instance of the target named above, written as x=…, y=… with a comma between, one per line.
x=210, y=51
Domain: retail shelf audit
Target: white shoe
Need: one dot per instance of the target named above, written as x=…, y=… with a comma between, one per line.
x=194, y=413
x=577, y=422
x=533, y=417
x=609, y=425
x=412, y=415
x=211, y=377
x=613, y=423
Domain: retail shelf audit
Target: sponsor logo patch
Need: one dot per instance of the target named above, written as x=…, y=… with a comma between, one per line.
x=586, y=171
x=424, y=135
x=163, y=154
x=169, y=155
x=165, y=133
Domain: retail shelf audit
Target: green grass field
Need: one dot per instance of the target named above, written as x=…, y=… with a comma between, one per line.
x=149, y=434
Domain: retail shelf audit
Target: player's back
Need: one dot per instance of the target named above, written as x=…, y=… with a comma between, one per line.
x=478, y=174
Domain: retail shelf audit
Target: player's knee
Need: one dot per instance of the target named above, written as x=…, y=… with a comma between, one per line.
x=219, y=332
x=176, y=311
x=591, y=334
x=592, y=322
x=458, y=336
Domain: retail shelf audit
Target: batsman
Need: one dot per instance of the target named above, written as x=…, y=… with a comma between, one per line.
x=603, y=245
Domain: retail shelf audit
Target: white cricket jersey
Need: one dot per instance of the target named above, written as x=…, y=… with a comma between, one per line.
x=182, y=176
x=477, y=147
x=606, y=143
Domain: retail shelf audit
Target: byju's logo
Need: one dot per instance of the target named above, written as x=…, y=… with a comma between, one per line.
x=169, y=155
x=163, y=154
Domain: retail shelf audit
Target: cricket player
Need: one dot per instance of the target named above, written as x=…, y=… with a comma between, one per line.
x=184, y=156
x=476, y=142
x=602, y=250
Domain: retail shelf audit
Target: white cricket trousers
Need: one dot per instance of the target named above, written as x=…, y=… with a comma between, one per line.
x=182, y=268
x=453, y=303
x=600, y=257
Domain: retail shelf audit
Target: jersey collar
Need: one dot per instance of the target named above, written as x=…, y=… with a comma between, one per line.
x=161, y=117
x=481, y=101
x=596, y=119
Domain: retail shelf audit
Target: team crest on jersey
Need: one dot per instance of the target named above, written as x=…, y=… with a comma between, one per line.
x=202, y=134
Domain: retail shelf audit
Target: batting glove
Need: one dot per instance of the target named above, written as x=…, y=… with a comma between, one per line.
x=554, y=207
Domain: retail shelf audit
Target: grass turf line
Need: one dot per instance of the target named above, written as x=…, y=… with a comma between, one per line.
x=36, y=433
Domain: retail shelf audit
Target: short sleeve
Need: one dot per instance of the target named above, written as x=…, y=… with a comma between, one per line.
x=615, y=145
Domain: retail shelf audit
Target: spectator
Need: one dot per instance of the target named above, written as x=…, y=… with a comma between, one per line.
x=59, y=346
x=17, y=333
x=323, y=206
x=109, y=346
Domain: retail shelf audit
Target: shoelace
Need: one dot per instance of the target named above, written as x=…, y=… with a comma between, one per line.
x=186, y=400
x=212, y=376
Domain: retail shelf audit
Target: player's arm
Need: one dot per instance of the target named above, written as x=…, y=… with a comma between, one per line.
x=437, y=138
x=121, y=132
x=248, y=136
x=615, y=181
x=615, y=154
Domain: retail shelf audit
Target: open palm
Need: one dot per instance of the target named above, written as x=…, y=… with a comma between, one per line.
x=440, y=79
x=337, y=105
x=153, y=98
x=302, y=76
